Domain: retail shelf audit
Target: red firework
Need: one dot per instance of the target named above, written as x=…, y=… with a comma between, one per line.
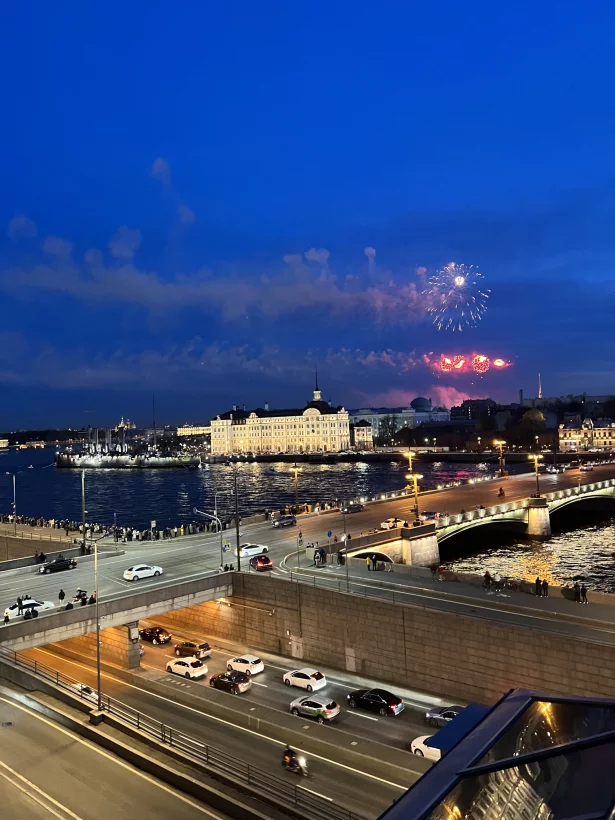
x=473, y=362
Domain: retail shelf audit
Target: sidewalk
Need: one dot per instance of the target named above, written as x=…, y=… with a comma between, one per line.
x=27, y=532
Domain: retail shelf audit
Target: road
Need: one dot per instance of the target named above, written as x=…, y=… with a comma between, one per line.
x=47, y=771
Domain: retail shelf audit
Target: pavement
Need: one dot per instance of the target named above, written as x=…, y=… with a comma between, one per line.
x=47, y=771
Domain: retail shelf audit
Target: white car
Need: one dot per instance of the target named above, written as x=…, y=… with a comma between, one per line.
x=84, y=692
x=188, y=668
x=142, y=571
x=249, y=664
x=251, y=549
x=310, y=679
x=28, y=604
x=393, y=523
x=587, y=468
x=418, y=747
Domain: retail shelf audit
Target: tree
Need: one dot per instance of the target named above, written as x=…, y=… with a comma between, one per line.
x=387, y=429
x=608, y=408
x=533, y=420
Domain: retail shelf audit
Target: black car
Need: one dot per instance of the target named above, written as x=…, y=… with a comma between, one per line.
x=57, y=565
x=155, y=635
x=376, y=700
x=353, y=507
x=189, y=649
x=285, y=521
x=233, y=682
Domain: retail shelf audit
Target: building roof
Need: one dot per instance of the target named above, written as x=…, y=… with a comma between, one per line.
x=323, y=407
x=362, y=423
x=421, y=403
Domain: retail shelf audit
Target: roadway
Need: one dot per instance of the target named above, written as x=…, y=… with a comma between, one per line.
x=47, y=771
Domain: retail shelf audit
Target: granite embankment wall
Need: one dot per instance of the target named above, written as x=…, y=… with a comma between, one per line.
x=454, y=656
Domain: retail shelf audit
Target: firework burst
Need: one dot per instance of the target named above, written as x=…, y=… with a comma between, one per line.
x=456, y=297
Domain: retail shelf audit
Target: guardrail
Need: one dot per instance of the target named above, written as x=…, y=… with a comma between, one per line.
x=278, y=791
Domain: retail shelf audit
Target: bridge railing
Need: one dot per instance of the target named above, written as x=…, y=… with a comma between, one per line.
x=278, y=791
x=582, y=489
x=476, y=514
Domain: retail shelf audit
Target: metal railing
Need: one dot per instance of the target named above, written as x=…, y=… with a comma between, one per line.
x=263, y=783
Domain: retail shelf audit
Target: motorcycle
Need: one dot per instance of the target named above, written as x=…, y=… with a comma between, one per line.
x=296, y=765
x=80, y=595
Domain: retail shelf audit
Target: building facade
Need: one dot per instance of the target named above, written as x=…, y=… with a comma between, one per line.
x=589, y=435
x=315, y=428
x=361, y=437
x=193, y=430
x=419, y=411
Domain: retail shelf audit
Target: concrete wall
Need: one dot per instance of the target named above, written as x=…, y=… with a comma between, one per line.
x=12, y=548
x=450, y=655
x=115, y=646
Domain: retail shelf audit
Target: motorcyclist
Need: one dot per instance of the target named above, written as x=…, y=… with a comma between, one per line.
x=290, y=757
x=501, y=492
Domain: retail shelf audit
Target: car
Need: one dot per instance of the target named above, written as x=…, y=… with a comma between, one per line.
x=261, y=563
x=190, y=649
x=429, y=515
x=310, y=679
x=418, y=747
x=84, y=692
x=319, y=707
x=58, y=564
x=376, y=700
x=188, y=667
x=248, y=664
x=246, y=550
x=29, y=605
x=155, y=634
x=393, y=523
x=551, y=468
x=233, y=682
x=285, y=521
x=141, y=571
x=587, y=468
x=441, y=715
x=353, y=507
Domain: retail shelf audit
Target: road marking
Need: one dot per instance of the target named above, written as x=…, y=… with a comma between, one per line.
x=358, y=714
x=111, y=757
x=227, y=722
x=259, y=684
x=318, y=794
x=32, y=791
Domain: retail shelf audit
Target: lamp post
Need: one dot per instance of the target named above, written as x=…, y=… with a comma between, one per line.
x=500, y=444
x=296, y=471
x=96, y=613
x=478, y=444
x=218, y=524
x=236, y=517
x=15, y=505
x=536, y=458
x=434, y=444
x=414, y=477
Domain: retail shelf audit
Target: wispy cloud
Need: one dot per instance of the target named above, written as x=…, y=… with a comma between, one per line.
x=125, y=242
x=185, y=215
x=56, y=246
x=21, y=227
x=161, y=170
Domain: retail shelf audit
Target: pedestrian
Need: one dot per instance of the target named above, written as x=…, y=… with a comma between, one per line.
x=6, y=618
x=440, y=573
x=497, y=580
x=434, y=571
x=316, y=557
x=545, y=588
x=577, y=592
x=323, y=554
x=538, y=587
x=374, y=561
x=19, y=606
x=583, y=594
x=61, y=595
x=68, y=605
x=368, y=561
x=487, y=577
x=335, y=539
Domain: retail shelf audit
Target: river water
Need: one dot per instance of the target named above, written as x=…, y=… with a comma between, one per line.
x=168, y=496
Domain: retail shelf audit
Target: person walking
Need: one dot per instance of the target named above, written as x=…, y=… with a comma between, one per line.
x=583, y=594
x=440, y=573
x=374, y=562
x=497, y=581
x=545, y=588
x=538, y=587
x=434, y=571
x=368, y=561
x=6, y=618
x=577, y=592
x=20, y=606
x=487, y=577
x=61, y=595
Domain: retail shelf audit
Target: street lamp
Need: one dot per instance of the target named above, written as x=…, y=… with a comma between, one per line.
x=218, y=524
x=97, y=615
x=478, y=445
x=434, y=443
x=500, y=444
x=414, y=477
x=536, y=458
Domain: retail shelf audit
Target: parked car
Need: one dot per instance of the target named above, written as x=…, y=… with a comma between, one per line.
x=353, y=507
x=393, y=523
x=418, y=747
x=233, y=682
x=188, y=668
x=376, y=700
x=141, y=571
x=29, y=605
x=246, y=550
x=190, y=649
x=58, y=564
x=551, y=468
x=441, y=715
x=319, y=707
x=261, y=563
x=310, y=679
x=83, y=691
x=155, y=634
x=587, y=468
x=285, y=521
x=248, y=664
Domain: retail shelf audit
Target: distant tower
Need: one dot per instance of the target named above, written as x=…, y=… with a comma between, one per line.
x=539, y=387
x=317, y=393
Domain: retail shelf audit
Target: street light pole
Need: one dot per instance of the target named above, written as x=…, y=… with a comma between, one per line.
x=83, y=506
x=15, y=504
x=237, y=518
x=536, y=458
x=98, y=675
x=296, y=471
x=218, y=524
x=501, y=444
x=414, y=477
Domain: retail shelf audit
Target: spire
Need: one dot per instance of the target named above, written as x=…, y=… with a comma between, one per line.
x=316, y=378
x=539, y=387
x=317, y=393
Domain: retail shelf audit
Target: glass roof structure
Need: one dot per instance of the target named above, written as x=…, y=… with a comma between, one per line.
x=531, y=757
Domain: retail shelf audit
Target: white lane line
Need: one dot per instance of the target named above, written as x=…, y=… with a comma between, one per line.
x=318, y=794
x=256, y=683
x=32, y=791
x=226, y=722
x=113, y=758
x=358, y=714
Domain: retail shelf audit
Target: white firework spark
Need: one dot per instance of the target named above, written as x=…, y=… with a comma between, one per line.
x=456, y=297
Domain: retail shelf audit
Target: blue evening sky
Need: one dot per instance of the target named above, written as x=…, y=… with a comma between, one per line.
x=188, y=191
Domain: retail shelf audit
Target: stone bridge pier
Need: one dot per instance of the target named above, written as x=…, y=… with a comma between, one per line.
x=538, y=519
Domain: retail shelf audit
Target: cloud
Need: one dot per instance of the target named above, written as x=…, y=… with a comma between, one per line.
x=370, y=253
x=21, y=227
x=185, y=215
x=450, y=396
x=56, y=246
x=161, y=170
x=320, y=255
x=125, y=242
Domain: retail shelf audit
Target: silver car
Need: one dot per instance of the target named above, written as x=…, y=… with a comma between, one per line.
x=441, y=715
x=319, y=707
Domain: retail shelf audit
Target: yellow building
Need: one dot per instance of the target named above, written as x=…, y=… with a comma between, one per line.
x=316, y=428
x=194, y=430
x=590, y=435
